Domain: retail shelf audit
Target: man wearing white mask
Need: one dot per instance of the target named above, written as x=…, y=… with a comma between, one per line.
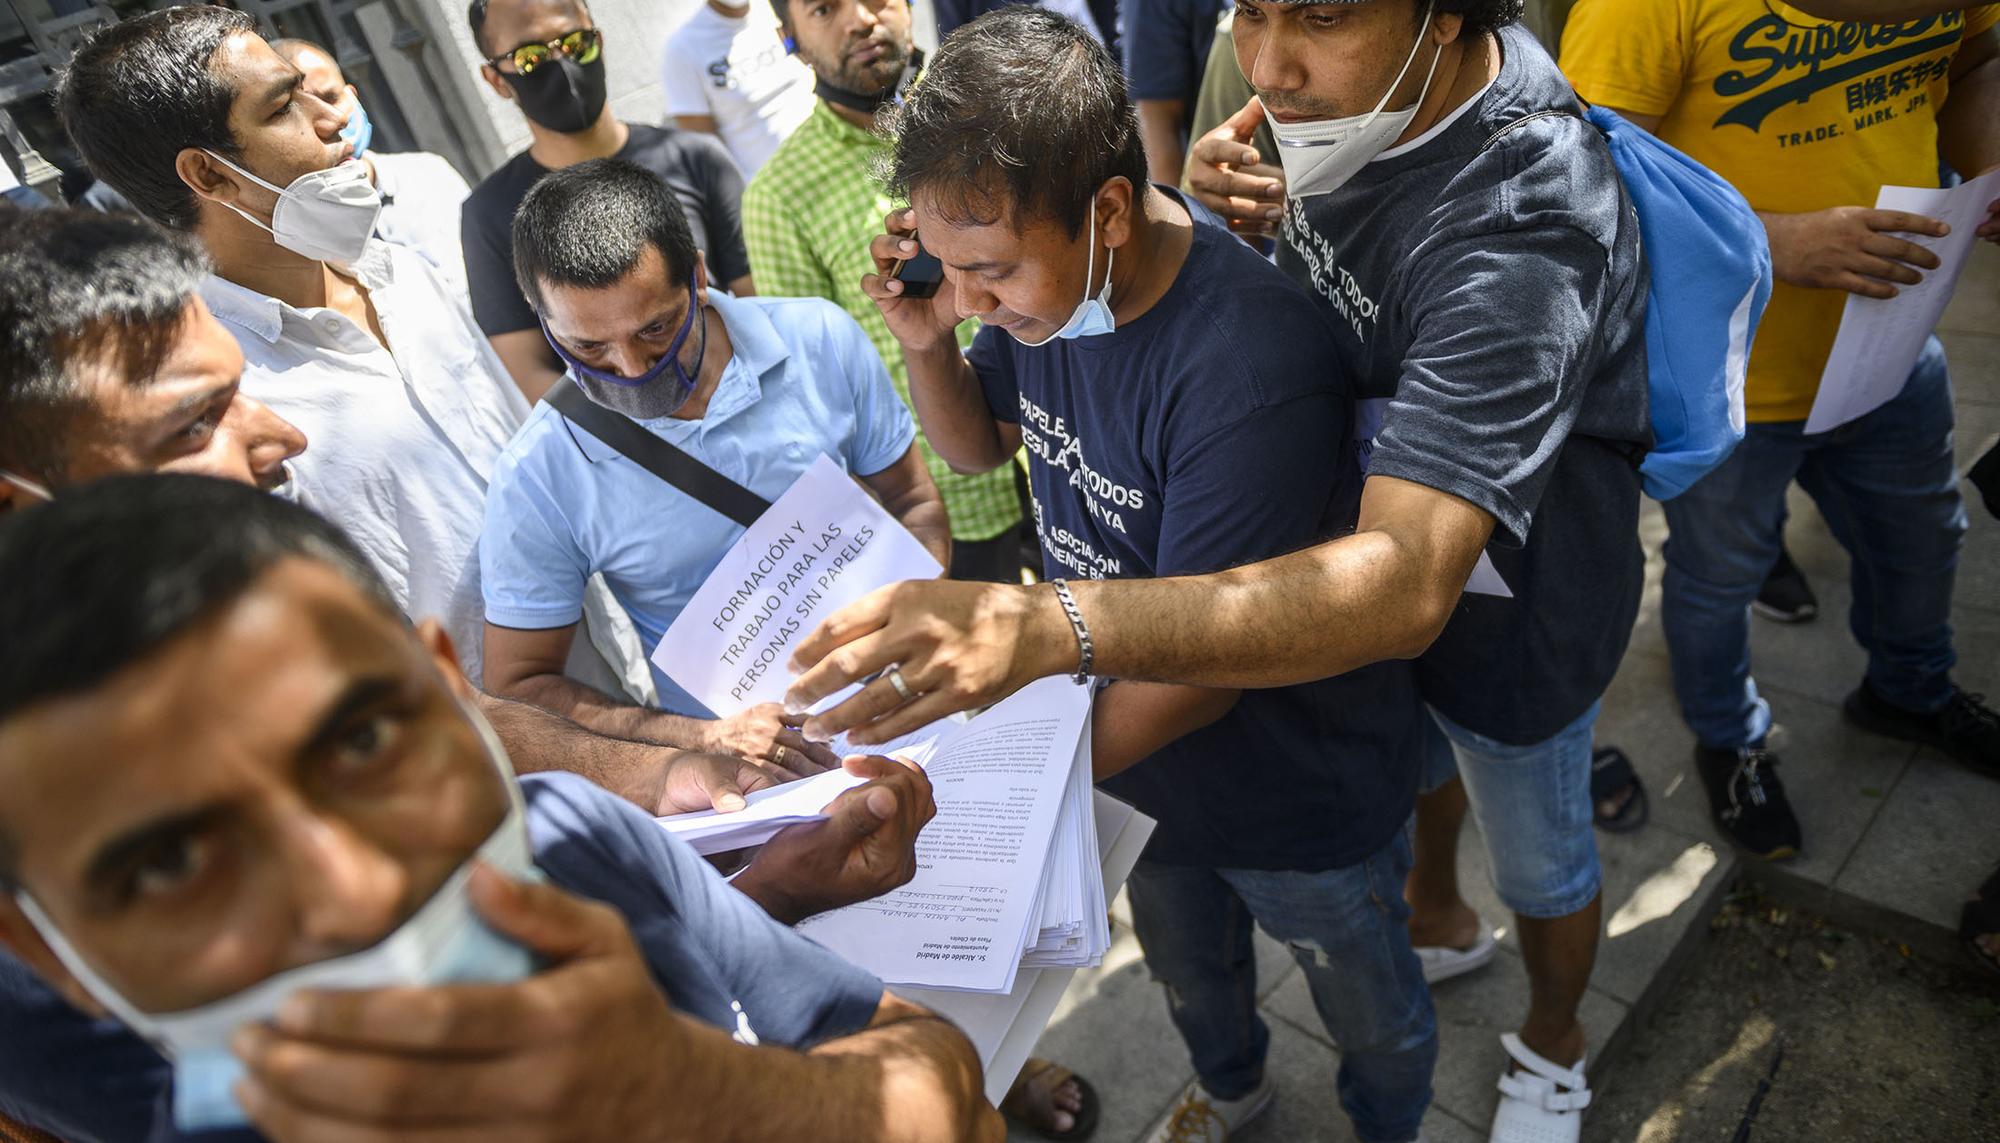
x=421, y=192
x=1471, y=241
x=1183, y=411
x=354, y=340
x=256, y=817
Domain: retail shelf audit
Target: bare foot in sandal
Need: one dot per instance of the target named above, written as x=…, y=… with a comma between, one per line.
x=1052, y=1100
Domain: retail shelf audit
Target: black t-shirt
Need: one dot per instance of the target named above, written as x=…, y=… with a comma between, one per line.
x=1214, y=431
x=694, y=165
x=1493, y=299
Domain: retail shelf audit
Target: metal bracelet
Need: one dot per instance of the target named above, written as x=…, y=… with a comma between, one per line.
x=1086, y=653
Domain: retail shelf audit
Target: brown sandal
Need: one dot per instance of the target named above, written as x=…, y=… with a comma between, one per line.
x=1031, y=1101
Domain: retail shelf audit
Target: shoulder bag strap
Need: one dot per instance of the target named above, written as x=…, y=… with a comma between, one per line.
x=659, y=457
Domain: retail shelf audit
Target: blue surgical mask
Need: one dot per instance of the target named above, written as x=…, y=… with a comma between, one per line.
x=658, y=392
x=1092, y=315
x=360, y=129
x=443, y=942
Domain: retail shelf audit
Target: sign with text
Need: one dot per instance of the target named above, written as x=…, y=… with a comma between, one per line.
x=824, y=544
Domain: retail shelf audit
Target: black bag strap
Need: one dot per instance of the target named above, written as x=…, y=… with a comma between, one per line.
x=659, y=457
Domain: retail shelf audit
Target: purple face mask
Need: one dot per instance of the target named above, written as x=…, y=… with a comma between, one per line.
x=658, y=392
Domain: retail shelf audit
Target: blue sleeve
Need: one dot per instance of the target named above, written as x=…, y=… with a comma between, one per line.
x=531, y=571
x=78, y=1078
x=1159, y=50
x=883, y=428
x=952, y=13
x=1265, y=484
x=686, y=918
x=993, y=363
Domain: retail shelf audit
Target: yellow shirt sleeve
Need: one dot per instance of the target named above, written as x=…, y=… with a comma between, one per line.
x=1631, y=55
x=1979, y=19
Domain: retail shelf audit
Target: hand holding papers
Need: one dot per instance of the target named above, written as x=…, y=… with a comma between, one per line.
x=1879, y=338
x=824, y=544
x=993, y=856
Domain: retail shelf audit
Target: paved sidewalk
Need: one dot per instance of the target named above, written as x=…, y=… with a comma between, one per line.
x=1895, y=836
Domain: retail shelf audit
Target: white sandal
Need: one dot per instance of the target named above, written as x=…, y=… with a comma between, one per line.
x=1532, y=1108
x=1442, y=962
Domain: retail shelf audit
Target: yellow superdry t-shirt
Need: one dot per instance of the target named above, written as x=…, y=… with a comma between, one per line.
x=1799, y=113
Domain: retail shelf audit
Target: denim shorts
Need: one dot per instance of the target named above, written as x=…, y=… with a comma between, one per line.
x=1533, y=807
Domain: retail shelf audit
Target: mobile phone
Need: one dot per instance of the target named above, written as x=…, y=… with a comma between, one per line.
x=921, y=274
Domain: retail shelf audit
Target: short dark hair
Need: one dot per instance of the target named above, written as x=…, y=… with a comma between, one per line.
x=74, y=285
x=1021, y=114
x=1482, y=17
x=104, y=575
x=139, y=92
x=587, y=225
x=475, y=18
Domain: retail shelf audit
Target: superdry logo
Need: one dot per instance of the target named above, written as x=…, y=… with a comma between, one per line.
x=1791, y=63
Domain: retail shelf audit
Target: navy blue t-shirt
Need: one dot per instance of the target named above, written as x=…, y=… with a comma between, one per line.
x=1212, y=431
x=1166, y=49
x=708, y=946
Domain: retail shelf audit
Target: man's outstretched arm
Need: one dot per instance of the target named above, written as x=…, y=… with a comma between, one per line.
x=1384, y=592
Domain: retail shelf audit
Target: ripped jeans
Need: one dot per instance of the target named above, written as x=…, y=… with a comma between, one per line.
x=1345, y=928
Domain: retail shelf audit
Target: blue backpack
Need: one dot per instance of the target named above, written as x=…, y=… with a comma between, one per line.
x=1709, y=267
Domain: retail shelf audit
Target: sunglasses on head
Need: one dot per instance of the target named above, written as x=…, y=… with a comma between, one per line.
x=581, y=45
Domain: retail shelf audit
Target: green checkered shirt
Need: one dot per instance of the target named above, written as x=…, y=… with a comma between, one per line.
x=808, y=217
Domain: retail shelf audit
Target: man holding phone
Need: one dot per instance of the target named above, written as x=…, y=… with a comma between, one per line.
x=810, y=211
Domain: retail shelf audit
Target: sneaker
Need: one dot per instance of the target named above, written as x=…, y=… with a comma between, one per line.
x=1786, y=597
x=1199, y=1118
x=1747, y=800
x=1965, y=727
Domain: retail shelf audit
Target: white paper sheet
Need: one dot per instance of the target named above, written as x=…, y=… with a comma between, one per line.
x=822, y=545
x=1879, y=339
x=768, y=812
x=1004, y=1028
x=965, y=919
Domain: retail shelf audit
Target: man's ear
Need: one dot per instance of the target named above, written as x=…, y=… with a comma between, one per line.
x=207, y=177
x=1445, y=27
x=701, y=279
x=19, y=936
x=437, y=642
x=496, y=81
x=1114, y=204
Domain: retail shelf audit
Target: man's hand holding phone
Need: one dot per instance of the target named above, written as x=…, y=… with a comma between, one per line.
x=919, y=304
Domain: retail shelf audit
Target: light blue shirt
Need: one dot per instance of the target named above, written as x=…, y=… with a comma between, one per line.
x=803, y=380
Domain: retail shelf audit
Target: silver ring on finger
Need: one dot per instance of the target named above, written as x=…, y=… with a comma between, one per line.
x=895, y=676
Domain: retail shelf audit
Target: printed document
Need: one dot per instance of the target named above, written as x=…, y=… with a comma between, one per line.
x=822, y=545
x=1879, y=339
x=975, y=904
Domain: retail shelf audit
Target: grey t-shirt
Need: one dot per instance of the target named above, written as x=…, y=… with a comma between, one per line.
x=1494, y=299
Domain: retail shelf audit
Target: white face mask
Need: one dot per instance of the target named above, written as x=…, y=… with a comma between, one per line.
x=443, y=942
x=326, y=215
x=1319, y=157
x=1092, y=316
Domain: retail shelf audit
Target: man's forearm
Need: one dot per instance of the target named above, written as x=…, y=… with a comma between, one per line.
x=1160, y=127
x=1969, y=121
x=912, y=1079
x=1310, y=615
x=952, y=409
x=537, y=740
x=594, y=710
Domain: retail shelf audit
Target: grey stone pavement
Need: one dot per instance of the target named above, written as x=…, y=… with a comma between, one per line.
x=1895, y=836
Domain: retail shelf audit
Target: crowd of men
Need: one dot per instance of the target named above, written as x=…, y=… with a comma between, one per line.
x=1306, y=343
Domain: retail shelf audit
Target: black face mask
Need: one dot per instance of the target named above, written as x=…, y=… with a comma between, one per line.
x=870, y=104
x=562, y=95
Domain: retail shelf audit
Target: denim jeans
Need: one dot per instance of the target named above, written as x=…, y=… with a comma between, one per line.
x=1345, y=928
x=1533, y=807
x=1888, y=488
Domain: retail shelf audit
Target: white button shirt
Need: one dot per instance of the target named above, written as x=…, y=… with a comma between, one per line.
x=421, y=195
x=401, y=439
